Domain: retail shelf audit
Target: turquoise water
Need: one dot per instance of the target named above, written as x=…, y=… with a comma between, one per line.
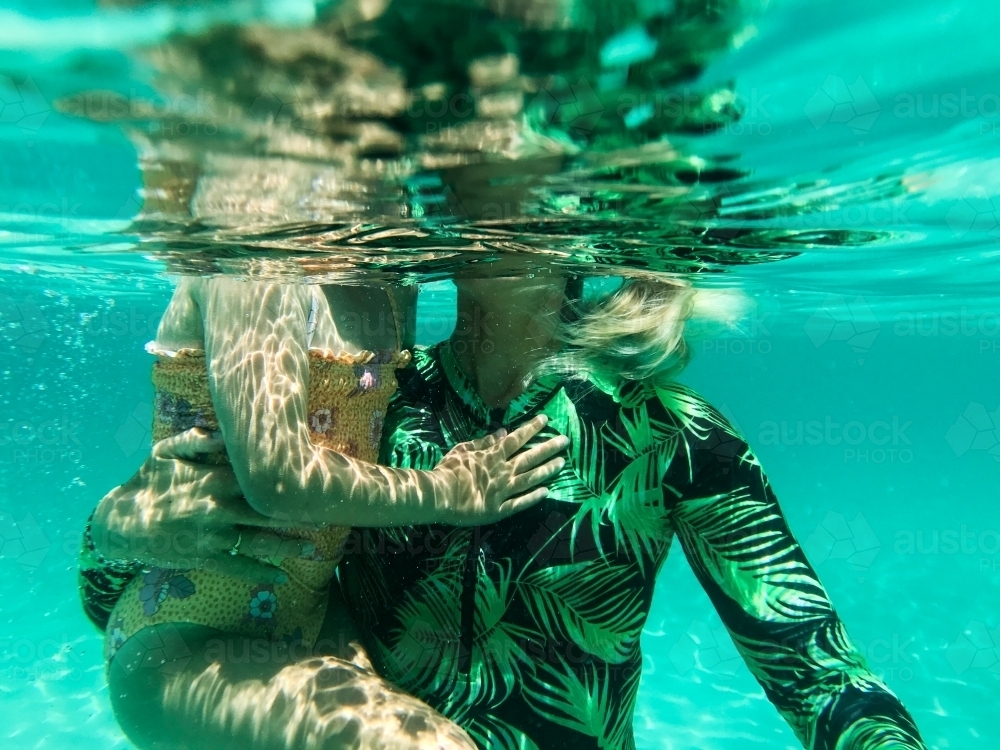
x=864, y=374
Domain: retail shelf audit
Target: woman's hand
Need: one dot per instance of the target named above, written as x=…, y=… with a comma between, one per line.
x=492, y=480
x=180, y=512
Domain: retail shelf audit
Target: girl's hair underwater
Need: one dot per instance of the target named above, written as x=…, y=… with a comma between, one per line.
x=638, y=331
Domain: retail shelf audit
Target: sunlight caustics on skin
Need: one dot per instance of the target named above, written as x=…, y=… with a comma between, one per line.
x=263, y=353
x=235, y=698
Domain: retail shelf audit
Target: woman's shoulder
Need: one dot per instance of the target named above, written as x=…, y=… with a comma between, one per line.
x=678, y=408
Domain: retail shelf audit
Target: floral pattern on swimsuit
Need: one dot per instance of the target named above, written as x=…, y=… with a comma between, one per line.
x=347, y=398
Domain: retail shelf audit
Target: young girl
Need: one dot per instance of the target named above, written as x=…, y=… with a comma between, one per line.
x=295, y=380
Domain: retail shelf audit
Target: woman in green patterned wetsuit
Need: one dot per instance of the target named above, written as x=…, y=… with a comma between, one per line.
x=526, y=632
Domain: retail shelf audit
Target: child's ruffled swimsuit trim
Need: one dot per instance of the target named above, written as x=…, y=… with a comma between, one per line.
x=348, y=397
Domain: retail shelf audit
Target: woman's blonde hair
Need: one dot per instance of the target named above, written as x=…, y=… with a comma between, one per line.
x=639, y=331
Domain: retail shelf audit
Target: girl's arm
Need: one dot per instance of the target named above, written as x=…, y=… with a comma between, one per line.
x=258, y=368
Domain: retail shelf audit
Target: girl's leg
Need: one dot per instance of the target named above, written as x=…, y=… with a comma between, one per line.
x=187, y=687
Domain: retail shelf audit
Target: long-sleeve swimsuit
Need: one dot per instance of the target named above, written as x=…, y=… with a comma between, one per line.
x=527, y=632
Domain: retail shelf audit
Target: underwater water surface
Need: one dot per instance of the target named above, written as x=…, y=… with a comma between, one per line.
x=864, y=165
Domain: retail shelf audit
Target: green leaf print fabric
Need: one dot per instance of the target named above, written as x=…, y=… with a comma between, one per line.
x=527, y=632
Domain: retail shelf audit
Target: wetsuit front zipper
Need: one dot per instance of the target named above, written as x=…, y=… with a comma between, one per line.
x=468, y=621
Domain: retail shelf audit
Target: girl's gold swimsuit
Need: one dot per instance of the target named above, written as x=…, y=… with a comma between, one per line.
x=348, y=396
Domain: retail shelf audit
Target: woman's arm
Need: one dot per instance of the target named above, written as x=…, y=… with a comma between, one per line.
x=259, y=377
x=770, y=599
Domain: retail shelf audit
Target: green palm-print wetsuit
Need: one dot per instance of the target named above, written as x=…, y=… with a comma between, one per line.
x=526, y=632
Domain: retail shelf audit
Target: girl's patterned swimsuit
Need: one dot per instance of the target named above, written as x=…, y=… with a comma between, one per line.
x=347, y=401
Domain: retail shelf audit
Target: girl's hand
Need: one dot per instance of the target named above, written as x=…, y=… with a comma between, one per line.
x=180, y=512
x=490, y=479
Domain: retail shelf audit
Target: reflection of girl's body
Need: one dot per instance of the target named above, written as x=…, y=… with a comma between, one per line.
x=299, y=403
